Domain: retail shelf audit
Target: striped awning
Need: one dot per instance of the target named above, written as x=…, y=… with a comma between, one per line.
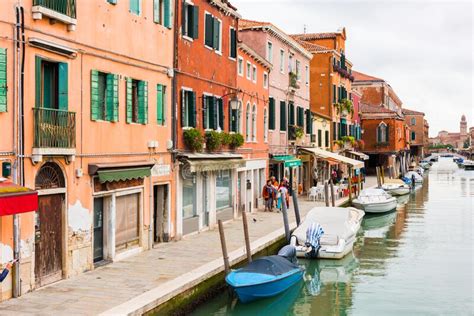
x=324, y=154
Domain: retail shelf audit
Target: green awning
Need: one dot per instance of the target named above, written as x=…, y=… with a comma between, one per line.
x=123, y=174
x=288, y=160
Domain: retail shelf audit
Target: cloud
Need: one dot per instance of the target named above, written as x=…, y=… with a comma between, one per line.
x=423, y=48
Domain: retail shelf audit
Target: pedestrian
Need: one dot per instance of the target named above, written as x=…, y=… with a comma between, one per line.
x=283, y=193
x=269, y=195
x=5, y=270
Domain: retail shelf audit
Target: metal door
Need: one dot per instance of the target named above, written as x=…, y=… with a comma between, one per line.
x=48, y=239
x=98, y=229
x=205, y=204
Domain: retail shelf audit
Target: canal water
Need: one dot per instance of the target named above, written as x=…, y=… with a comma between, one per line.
x=415, y=261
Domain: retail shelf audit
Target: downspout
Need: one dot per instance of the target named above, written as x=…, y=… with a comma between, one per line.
x=174, y=98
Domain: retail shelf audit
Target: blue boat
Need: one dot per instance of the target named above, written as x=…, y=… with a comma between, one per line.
x=264, y=277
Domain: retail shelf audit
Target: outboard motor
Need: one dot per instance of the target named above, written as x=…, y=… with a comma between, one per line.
x=289, y=252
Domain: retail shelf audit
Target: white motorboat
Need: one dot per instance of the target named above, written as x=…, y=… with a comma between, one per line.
x=425, y=166
x=468, y=165
x=418, y=177
x=375, y=201
x=340, y=225
x=396, y=187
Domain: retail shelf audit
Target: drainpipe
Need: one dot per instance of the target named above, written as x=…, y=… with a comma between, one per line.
x=151, y=211
x=174, y=97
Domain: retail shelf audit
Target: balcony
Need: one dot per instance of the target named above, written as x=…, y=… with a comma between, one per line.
x=293, y=82
x=54, y=133
x=343, y=72
x=57, y=10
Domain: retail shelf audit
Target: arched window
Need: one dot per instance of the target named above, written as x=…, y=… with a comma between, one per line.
x=413, y=121
x=235, y=115
x=239, y=118
x=49, y=176
x=254, y=123
x=247, y=122
x=382, y=133
x=265, y=125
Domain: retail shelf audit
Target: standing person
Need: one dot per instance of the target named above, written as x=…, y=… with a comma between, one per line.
x=269, y=195
x=283, y=192
x=275, y=185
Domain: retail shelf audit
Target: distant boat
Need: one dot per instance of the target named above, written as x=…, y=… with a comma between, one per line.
x=396, y=189
x=468, y=165
x=265, y=277
x=375, y=201
x=418, y=177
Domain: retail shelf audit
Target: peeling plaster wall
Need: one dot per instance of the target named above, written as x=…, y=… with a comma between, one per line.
x=79, y=239
x=6, y=254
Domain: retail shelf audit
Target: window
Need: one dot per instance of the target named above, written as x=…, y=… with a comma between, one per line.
x=282, y=61
x=189, y=198
x=212, y=113
x=51, y=80
x=320, y=140
x=249, y=70
x=271, y=112
x=382, y=133
x=282, y=116
x=298, y=70
x=254, y=123
x=104, y=96
x=3, y=79
x=291, y=113
x=307, y=75
x=137, y=101
x=233, y=43
x=300, y=116
x=162, y=12
x=413, y=121
x=290, y=63
x=326, y=138
x=223, y=189
x=135, y=6
x=413, y=135
x=265, y=80
x=265, y=125
x=240, y=66
x=334, y=94
x=270, y=52
x=212, y=32
x=160, y=104
x=254, y=74
x=235, y=119
x=190, y=27
x=247, y=122
x=309, y=122
x=188, y=108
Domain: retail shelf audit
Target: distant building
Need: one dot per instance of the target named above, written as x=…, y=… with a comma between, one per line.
x=457, y=140
x=416, y=122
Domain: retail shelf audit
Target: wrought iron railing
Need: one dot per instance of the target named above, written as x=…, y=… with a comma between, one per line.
x=66, y=7
x=54, y=128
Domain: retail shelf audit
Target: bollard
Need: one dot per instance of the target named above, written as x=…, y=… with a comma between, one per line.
x=350, y=185
x=246, y=236
x=377, y=171
x=333, y=198
x=326, y=194
x=359, y=183
x=224, y=248
x=382, y=177
x=285, y=217
x=297, y=209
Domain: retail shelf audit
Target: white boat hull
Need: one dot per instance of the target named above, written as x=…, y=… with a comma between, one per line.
x=398, y=191
x=376, y=207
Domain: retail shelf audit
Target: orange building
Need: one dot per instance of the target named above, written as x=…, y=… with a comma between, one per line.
x=416, y=122
x=90, y=133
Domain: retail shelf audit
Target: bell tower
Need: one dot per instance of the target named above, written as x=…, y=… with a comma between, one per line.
x=463, y=125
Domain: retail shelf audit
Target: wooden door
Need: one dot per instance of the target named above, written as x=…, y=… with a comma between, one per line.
x=98, y=229
x=48, y=239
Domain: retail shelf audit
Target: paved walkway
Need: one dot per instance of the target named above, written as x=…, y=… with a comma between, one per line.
x=153, y=276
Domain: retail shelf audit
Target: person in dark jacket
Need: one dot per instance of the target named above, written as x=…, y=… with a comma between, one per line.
x=5, y=271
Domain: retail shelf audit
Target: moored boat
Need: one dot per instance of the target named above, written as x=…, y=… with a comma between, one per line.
x=265, y=277
x=336, y=238
x=396, y=188
x=418, y=177
x=468, y=165
x=375, y=201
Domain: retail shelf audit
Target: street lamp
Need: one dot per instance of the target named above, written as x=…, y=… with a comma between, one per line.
x=234, y=103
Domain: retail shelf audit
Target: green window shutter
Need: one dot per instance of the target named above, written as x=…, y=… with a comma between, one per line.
x=220, y=107
x=209, y=34
x=159, y=105
x=38, y=82
x=184, y=13
x=192, y=114
x=233, y=43
x=129, y=108
x=334, y=131
x=282, y=116
x=156, y=11
x=195, y=24
x=271, y=114
x=204, y=112
x=142, y=102
x=167, y=13
x=115, y=99
x=94, y=95
x=320, y=136
x=62, y=86
x=3, y=80
x=309, y=121
x=212, y=112
x=135, y=6
x=334, y=94
x=183, y=109
x=216, y=33
x=326, y=140
x=109, y=97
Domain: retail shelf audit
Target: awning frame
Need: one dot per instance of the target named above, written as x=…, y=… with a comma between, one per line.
x=324, y=154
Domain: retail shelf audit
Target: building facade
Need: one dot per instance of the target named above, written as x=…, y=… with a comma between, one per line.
x=104, y=194
x=416, y=122
x=456, y=140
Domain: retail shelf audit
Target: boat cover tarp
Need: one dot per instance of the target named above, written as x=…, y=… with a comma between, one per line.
x=271, y=265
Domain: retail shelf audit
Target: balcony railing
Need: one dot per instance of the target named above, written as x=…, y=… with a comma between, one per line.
x=54, y=128
x=66, y=7
x=343, y=72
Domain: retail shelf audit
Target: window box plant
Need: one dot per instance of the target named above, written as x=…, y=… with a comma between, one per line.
x=193, y=139
x=213, y=140
x=345, y=107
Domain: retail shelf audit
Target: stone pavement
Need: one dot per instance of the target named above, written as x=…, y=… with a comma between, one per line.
x=153, y=277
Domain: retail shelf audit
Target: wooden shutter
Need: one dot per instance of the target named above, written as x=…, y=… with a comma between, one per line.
x=309, y=121
x=216, y=34
x=204, y=112
x=282, y=116
x=129, y=107
x=271, y=114
x=195, y=25
x=212, y=113
x=94, y=95
x=38, y=82
x=184, y=13
x=183, y=109
x=334, y=94
x=220, y=107
x=167, y=13
x=156, y=11
x=115, y=99
x=334, y=131
x=193, y=112
x=386, y=134
x=135, y=6
x=3, y=80
x=320, y=136
x=208, y=36
x=62, y=86
x=159, y=105
x=142, y=102
x=291, y=113
x=326, y=136
x=233, y=43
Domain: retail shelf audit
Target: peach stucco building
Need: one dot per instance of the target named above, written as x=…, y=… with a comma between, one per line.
x=95, y=137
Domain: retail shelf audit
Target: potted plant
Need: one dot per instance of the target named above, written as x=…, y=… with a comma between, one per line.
x=293, y=80
x=236, y=141
x=193, y=139
x=345, y=107
x=213, y=140
x=299, y=132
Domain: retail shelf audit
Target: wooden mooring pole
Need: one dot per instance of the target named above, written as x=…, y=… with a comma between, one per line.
x=224, y=247
x=350, y=185
x=297, y=209
x=246, y=235
x=284, y=211
x=333, y=198
x=326, y=194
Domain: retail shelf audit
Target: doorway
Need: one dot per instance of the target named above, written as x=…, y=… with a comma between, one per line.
x=160, y=214
x=205, y=202
x=98, y=229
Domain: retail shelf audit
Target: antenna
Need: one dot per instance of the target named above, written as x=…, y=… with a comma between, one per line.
x=304, y=29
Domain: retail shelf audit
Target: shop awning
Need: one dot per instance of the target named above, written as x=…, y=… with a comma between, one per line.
x=201, y=162
x=15, y=199
x=288, y=160
x=324, y=154
x=361, y=155
x=123, y=174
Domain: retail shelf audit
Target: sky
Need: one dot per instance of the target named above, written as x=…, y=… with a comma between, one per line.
x=422, y=48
